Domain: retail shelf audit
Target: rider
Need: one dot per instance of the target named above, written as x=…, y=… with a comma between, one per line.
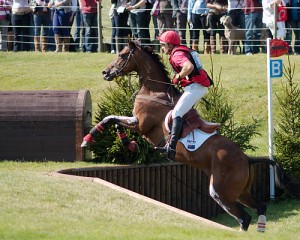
x=193, y=79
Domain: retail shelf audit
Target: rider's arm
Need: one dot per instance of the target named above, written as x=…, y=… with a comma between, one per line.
x=187, y=69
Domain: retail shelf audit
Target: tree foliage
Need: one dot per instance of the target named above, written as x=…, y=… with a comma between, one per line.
x=118, y=100
x=218, y=109
x=287, y=131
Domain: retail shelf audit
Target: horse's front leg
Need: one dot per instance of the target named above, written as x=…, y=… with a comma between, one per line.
x=121, y=121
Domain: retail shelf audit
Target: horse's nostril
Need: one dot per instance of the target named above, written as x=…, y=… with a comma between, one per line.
x=104, y=72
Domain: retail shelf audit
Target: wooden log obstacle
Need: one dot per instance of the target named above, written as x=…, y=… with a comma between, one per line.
x=44, y=125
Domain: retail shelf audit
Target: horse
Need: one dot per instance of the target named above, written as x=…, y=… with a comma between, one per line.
x=229, y=170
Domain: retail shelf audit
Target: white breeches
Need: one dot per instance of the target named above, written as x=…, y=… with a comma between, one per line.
x=192, y=94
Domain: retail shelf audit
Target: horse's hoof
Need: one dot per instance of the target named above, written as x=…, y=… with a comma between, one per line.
x=261, y=223
x=88, y=139
x=84, y=144
x=246, y=222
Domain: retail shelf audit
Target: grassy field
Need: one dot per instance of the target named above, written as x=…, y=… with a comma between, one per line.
x=34, y=205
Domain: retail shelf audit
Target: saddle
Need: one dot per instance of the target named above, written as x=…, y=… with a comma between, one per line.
x=191, y=121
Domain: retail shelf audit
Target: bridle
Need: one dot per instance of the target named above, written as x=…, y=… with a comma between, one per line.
x=125, y=57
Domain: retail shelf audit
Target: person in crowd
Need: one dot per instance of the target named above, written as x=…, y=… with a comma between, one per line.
x=5, y=15
x=254, y=25
x=61, y=19
x=269, y=20
x=217, y=9
x=41, y=18
x=89, y=11
x=21, y=22
x=77, y=24
x=236, y=12
x=165, y=20
x=51, y=39
x=180, y=13
x=111, y=15
x=197, y=17
x=153, y=15
x=188, y=75
x=140, y=19
x=293, y=25
x=121, y=20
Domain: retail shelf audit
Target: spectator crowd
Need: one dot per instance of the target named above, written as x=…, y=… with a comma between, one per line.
x=45, y=25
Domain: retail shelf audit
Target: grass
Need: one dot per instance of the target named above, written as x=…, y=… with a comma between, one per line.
x=34, y=205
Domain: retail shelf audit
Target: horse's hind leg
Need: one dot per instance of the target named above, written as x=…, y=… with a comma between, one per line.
x=246, y=199
x=260, y=207
x=235, y=209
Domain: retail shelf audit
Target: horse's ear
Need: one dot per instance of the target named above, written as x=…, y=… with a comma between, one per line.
x=128, y=38
x=131, y=44
x=139, y=42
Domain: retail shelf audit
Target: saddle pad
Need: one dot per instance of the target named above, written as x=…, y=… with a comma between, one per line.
x=195, y=139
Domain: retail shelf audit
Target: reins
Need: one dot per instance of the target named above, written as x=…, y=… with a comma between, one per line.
x=155, y=99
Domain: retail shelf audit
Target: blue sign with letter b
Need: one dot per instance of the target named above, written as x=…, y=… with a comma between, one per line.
x=276, y=68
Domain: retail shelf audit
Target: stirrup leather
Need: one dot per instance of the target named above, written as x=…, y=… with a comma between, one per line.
x=167, y=150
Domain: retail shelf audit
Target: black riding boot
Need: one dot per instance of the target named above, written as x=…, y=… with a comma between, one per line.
x=169, y=149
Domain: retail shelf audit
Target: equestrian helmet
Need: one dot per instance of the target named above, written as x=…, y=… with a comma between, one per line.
x=170, y=37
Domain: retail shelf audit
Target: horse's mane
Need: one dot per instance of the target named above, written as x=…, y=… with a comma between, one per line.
x=157, y=58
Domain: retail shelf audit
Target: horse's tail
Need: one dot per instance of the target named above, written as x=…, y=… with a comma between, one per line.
x=282, y=179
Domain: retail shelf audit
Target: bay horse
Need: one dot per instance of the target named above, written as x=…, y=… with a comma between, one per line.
x=228, y=168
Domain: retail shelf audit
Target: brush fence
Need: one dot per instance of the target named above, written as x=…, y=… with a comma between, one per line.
x=175, y=184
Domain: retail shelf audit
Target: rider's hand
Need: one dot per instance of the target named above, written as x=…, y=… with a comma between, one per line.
x=176, y=79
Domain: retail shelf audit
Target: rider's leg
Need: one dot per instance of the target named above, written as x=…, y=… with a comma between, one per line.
x=192, y=94
x=175, y=133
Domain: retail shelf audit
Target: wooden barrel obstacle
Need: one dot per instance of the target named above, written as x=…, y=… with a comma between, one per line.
x=44, y=125
x=175, y=184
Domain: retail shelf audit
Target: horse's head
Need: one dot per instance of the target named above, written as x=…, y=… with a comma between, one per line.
x=125, y=62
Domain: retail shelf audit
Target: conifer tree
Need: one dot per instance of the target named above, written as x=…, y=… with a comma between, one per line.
x=287, y=131
x=217, y=108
